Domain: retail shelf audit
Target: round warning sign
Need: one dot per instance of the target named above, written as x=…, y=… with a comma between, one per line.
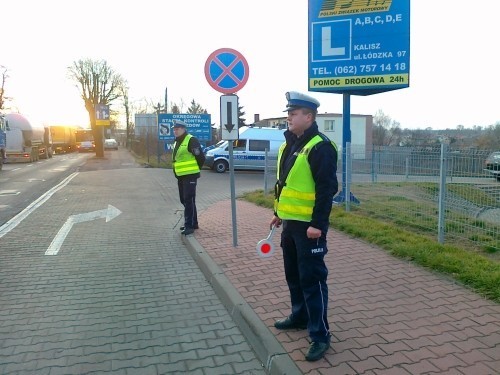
x=226, y=70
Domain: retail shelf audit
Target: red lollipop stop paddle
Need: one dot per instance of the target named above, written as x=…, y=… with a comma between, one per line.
x=265, y=247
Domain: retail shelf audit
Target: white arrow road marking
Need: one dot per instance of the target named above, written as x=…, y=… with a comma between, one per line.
x=109, y=213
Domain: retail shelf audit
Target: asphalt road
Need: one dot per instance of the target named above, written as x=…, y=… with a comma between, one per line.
x=23, y=183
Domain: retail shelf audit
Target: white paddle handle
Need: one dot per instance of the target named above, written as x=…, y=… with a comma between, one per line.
x=271, y=232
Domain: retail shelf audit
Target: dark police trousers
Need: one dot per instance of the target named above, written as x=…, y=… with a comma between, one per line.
x=306, y=275
x=187, y=196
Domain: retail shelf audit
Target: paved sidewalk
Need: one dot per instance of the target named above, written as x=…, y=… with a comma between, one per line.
x=387, y=316
x=127, y=297
x=122, y=296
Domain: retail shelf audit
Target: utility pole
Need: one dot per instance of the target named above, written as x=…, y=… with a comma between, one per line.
x=165, y=108
x=158, y=111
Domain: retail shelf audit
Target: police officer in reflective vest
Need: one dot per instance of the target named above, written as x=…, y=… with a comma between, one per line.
x=187, y=160
x=307, y=183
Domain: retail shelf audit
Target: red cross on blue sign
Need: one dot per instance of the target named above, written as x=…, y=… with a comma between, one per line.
x=226, y=70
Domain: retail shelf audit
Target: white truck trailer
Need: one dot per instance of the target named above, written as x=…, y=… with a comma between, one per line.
x=25, y=141
x=3, y=129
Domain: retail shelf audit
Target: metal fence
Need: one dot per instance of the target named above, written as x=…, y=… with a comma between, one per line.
x=439, y=191
x=146, y=145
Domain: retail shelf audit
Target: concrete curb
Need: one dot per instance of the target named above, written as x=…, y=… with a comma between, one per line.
x=267, y=348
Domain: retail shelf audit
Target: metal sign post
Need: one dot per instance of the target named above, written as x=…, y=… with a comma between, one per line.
x=229, y=132
x=233, y=194
x=226, y=70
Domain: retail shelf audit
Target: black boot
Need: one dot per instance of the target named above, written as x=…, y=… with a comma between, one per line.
x=288, y=323
x=317, y=350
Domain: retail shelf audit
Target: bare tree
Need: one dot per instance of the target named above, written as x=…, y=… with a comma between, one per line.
x=386, y=131
x=490, y=139
x=126, y=105
x=4, y=76
x=421, y=138
x=98, y=83
x=143, y=106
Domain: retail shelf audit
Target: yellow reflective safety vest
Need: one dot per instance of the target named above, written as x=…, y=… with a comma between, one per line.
x=297, y=198
x=185, y=163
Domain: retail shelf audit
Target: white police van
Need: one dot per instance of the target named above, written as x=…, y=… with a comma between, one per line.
x=249, y=151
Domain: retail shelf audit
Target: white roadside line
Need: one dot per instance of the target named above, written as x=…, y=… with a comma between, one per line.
x=16, y=220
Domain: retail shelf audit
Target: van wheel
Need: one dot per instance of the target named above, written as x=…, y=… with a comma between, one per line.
x=220, y=166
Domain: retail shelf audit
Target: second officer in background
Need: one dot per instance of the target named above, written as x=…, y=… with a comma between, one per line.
x=187, y=161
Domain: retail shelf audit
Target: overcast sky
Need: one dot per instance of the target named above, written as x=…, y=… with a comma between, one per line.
x=454, y=65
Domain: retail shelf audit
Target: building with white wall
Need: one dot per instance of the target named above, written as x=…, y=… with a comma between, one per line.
x=332, y=125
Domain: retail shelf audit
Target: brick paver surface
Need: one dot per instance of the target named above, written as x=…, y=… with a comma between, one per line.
x=122, y=296
x=126, y=297
x=387, y=316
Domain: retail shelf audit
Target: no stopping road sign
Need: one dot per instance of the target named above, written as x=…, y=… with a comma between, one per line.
x=226, y=70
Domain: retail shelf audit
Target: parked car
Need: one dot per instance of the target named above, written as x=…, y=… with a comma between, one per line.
x=110, y=144
x=86, y=146
x=492, y=164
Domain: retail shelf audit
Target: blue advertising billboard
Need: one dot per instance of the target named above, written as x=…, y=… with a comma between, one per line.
x=199, y=125
x=359, y=47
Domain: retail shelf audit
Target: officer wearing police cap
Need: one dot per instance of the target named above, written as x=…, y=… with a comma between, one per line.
x=187, y=161
x=307, y=183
